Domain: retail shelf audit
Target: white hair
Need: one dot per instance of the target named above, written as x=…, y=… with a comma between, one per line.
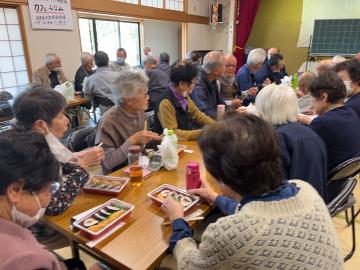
x=50, y=58
x=128, y=84
x=277, y=104
x=212, y=60
x=84, y=57
x=338, y=59
x=255, y=57
x=149, y=59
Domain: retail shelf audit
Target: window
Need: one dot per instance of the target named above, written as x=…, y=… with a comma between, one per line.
x=13, y=70
x=108, y=36
x=129, y=1
x=177, y=5
x=153, y=3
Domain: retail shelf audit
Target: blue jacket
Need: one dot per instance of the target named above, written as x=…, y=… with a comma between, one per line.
x=303, y=155
x=245, y=80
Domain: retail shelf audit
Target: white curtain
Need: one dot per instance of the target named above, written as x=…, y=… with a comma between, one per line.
x=325, y=9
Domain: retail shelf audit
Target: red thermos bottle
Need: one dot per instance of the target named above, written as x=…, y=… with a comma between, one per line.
x=192, y=175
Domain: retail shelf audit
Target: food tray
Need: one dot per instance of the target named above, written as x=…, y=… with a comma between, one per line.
x=105, y=185
x=158, y=198
x=100, y=221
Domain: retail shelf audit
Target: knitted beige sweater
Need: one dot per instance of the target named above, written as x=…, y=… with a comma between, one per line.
x=295, y=233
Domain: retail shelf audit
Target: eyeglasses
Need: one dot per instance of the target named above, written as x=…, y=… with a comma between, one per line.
x=230, y=66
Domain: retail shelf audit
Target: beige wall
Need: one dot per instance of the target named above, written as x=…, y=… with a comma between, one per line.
x=65, y=43
x=162, y=36
x=277, y=24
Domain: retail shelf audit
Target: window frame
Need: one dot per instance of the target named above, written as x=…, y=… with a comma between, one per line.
x=18, y=8
x=111, y=19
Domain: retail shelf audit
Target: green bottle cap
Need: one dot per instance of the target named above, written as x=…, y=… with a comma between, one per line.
x=170, y=132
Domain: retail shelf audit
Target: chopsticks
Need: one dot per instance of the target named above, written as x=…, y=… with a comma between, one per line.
x=167, y=223
x=145, y=125
x=99, y=145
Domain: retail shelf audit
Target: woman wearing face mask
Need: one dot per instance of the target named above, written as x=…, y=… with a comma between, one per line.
x=336, y=124
x=42, y=110
x=175, y=109
x=354, y=98
x=29, y=176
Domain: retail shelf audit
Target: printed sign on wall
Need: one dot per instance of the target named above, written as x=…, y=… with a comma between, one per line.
x=51, y=14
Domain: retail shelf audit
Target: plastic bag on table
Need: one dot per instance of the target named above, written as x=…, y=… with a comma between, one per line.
x=168, y=154
x=67, y=90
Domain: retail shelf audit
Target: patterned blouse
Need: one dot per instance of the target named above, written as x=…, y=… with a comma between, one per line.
x=74, y=178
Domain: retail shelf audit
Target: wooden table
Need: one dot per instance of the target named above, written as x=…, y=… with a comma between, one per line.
x=77, y=101
x=142, y=242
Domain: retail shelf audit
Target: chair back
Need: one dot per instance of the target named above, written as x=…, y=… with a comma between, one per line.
x=345, y=170
x=341, y=202
x=82, y=139
x=104, y=101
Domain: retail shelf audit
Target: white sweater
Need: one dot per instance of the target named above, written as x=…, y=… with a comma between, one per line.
x=294, y=233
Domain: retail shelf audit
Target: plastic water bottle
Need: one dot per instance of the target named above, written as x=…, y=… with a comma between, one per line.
x=171, y=136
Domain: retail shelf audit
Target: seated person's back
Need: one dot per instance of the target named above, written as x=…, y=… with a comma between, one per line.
x=302, y=151
x=100, y=83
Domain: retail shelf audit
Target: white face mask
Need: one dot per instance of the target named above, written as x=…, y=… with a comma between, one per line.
x=348, y=87
x=184, y=94
x=24, y=220
x=61, y=153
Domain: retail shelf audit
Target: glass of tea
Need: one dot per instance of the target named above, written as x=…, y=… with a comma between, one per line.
x=135, y=175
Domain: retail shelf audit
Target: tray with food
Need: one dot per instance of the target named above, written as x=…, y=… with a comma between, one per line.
x=103, y=218
x=159, y=195
x=105, y=185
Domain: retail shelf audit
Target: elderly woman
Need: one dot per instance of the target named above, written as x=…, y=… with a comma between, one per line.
x=268, y=218
x=29, y=176
x=175, y=109
x=123, y=125
x=349, y=73
x=302, y=151
x=42, y=110
x=336, y=124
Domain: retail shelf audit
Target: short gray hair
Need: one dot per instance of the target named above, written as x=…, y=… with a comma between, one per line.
x=149, y=59
x=277, y=104
x=50, y=58
x=128, y=84
x=212, y=60
x=255, y=57
x=84, y=56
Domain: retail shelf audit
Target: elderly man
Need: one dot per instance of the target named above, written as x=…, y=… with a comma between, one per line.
x=120, y=64
x=227, y=84
x=273, y=70
x=245, y=77
x=51, y=74
x=99, y=84
x=123, y=125
x=271, y=52
x=158, y=80
x=206, y=93
x=84, y=71
x=304, y=91
x=164, y=63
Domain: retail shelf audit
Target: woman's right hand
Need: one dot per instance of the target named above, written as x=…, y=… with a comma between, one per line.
x=144, y=137
x=206, y=192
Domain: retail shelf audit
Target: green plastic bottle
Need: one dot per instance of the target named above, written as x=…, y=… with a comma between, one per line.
x=295, y=81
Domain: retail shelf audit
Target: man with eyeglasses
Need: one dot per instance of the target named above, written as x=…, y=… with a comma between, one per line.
x=227, y=84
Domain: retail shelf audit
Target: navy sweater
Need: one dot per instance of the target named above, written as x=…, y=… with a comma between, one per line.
x=354, y=103
x=303, y=154
x=340, y=130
